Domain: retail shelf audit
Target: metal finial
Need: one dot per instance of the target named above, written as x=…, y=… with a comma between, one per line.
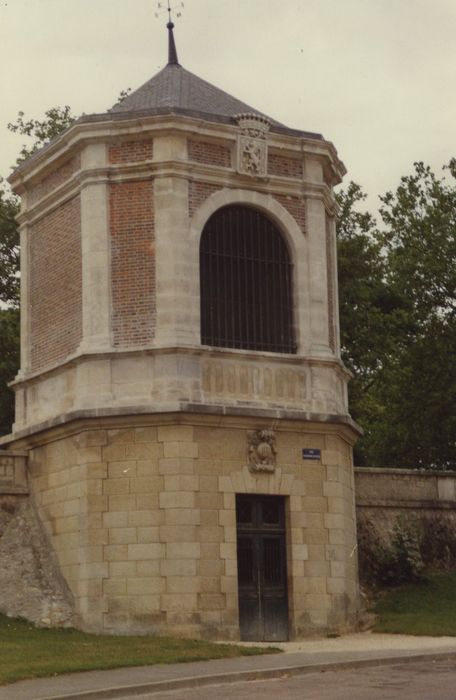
x=162, y=7
x=172, y=51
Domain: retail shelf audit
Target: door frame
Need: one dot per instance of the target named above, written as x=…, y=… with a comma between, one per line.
x=258, y=522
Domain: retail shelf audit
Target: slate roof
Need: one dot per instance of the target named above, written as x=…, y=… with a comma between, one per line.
x=176, y=90
x=174, y=87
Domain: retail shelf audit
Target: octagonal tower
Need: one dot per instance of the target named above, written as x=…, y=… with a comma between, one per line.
x=181, y=393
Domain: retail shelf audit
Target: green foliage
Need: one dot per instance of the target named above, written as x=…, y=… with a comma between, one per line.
x=371, y=314
x=9, y=364
x=397, y=289
x=389, y=562
x=29, y=652
x=56, y=120
x=9, y=249
x=423, y=608
x=438, y=543
x=406, y=560
x=420, y=241
x=9, y=300
x=416, y=544
x=123, y=95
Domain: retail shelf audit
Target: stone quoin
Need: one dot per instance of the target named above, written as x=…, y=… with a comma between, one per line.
x=179, y=353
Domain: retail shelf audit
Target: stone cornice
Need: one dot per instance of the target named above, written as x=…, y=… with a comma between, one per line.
x=226, y=177
x=76, y=421
x=80, y=133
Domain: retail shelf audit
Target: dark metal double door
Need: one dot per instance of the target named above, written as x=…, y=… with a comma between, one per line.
x=262, y=575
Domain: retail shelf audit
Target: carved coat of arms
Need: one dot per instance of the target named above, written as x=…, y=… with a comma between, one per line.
x=261, y=450
x=252, y=144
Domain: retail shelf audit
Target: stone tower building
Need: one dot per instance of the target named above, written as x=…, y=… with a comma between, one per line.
x=181, y=395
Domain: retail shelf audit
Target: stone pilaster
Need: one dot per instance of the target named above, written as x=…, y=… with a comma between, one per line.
x=316, y=222
x=25, y=301
x=174, y=308
x=96, y=297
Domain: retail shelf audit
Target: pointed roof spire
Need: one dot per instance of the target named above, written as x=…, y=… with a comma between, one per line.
x=172, y=51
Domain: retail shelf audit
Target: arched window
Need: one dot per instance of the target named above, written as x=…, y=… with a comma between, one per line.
x=246, y=282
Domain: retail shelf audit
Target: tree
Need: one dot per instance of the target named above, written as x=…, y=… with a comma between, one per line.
x=9, y=364
x=371, y=313
x=398, y=319
x=55, y=121
x=9, y=305
x=420, y=241
x=9, y=249
x=419, y=238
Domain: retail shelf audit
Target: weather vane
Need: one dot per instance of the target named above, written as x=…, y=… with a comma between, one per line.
x=162, y=8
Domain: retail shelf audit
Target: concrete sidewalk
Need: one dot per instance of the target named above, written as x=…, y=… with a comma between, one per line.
x=298, y=657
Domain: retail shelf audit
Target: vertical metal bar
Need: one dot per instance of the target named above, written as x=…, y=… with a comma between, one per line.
x=226, y=281
x=232, y=268
x=246, y=277
x=245, y=294
x=240, y=260
x=254, y=313
x=280, y=310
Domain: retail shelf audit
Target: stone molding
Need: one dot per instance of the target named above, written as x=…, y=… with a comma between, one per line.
x=225, y=177
x=173, y=380
x=80, y=134
x=76, y=422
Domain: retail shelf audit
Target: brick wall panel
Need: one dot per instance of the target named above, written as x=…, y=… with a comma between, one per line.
x=209, y=153
x=283, y=166
x=56, y=285
x=132, y=262
x=131, y=151
x=296, y=207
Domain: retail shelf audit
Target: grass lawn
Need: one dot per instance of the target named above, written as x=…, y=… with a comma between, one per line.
x=427, y=608
x=29, y=652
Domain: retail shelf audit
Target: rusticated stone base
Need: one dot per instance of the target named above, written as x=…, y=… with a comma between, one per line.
x=140, y=511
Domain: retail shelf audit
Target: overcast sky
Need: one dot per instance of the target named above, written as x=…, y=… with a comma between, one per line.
x=376, y=77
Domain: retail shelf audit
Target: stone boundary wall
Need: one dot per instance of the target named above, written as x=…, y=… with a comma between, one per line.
x=387, y=497
x=13, y=477
x=404, y=489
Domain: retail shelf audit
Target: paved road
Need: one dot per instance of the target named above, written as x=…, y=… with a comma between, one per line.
x=412, y=681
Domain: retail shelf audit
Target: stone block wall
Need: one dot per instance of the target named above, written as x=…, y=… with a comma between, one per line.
x=407, y=489
x=388, y=497
x=141, y=515
x=13, y=478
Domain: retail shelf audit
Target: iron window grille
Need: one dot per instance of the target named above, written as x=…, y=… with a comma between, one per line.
x=246, y=283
